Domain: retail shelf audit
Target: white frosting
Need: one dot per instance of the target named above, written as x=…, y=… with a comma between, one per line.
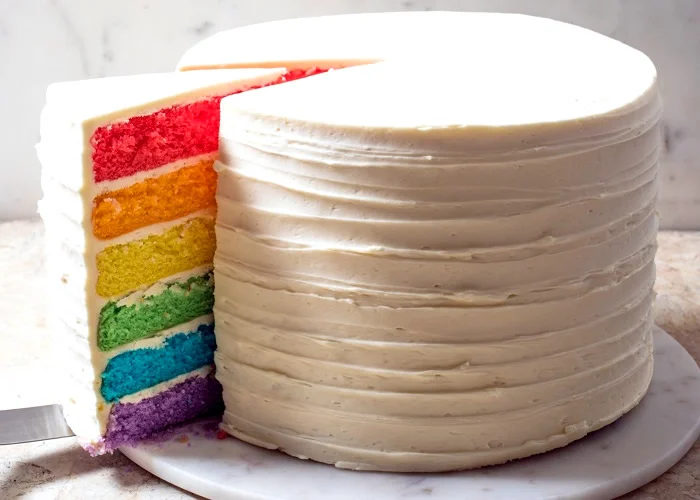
x=122, y=182
x=106, y=100
x=438, y=266
x=160, y=286
x=202, y=372
x=348, y=40
x=73, y=111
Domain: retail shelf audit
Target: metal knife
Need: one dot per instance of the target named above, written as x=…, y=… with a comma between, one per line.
x=33, y=424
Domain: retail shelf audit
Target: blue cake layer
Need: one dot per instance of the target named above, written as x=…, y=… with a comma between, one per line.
x=135, y=370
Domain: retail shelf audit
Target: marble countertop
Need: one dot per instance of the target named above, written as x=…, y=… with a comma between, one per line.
x=60, y=469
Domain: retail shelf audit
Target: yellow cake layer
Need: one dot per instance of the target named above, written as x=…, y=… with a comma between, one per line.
x=128, y=266
x=164, y=198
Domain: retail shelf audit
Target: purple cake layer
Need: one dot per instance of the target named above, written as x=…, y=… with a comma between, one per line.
x=130, y=423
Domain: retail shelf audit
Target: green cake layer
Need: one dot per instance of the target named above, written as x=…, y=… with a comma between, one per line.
x=178, y=303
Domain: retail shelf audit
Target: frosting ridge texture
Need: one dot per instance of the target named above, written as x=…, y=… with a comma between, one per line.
x=403, y=285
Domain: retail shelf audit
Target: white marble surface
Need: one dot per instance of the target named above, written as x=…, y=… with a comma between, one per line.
x=42, y=41
x=627, y=454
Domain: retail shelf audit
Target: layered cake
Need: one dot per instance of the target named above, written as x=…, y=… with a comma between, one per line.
x=129, y=211
x=438, y=259
x=432, y=265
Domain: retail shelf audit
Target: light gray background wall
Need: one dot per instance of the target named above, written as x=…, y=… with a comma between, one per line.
x=42, y=41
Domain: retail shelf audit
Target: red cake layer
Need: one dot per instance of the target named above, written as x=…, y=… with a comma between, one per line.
x=296, y=74
x=146, y=142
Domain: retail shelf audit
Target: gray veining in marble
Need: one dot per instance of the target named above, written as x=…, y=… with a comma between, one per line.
x=42, y=41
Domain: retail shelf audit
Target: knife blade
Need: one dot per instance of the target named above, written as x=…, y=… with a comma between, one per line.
x=37, y=423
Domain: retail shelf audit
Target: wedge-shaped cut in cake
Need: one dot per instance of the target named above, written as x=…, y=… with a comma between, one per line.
x=129, y=207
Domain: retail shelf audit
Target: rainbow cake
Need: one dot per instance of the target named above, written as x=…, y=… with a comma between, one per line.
x=437, y=260
x=129, y=207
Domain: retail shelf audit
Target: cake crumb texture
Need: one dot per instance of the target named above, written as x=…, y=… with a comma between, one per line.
x=138, y=369
x=130, y=265
x=143, y=143
x=178, y=303
x=130, y=423
x=161, y=199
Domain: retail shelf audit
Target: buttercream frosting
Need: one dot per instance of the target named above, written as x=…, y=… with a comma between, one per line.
x=439, y=266
x=340, y=41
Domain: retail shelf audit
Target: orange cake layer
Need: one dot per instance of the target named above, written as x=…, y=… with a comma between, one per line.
x=165, y=198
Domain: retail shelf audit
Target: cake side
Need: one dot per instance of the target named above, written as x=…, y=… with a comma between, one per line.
x=129, y=213
x=438, y=282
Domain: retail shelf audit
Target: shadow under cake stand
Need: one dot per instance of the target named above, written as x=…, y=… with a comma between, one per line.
x=621, y=457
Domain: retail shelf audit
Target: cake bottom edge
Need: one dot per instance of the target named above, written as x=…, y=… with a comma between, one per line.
x=421, y=462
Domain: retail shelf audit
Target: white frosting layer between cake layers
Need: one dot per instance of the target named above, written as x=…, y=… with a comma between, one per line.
x=435, y=268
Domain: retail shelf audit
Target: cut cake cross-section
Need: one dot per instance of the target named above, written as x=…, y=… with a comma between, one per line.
x=129, y=206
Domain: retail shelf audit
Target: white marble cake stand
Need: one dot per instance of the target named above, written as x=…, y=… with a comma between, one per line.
x=619, y=458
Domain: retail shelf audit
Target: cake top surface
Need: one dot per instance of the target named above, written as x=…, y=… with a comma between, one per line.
x=348, y=40
x=353, y=39
x=115, y=97
x=495, y=88
x=470, y=69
